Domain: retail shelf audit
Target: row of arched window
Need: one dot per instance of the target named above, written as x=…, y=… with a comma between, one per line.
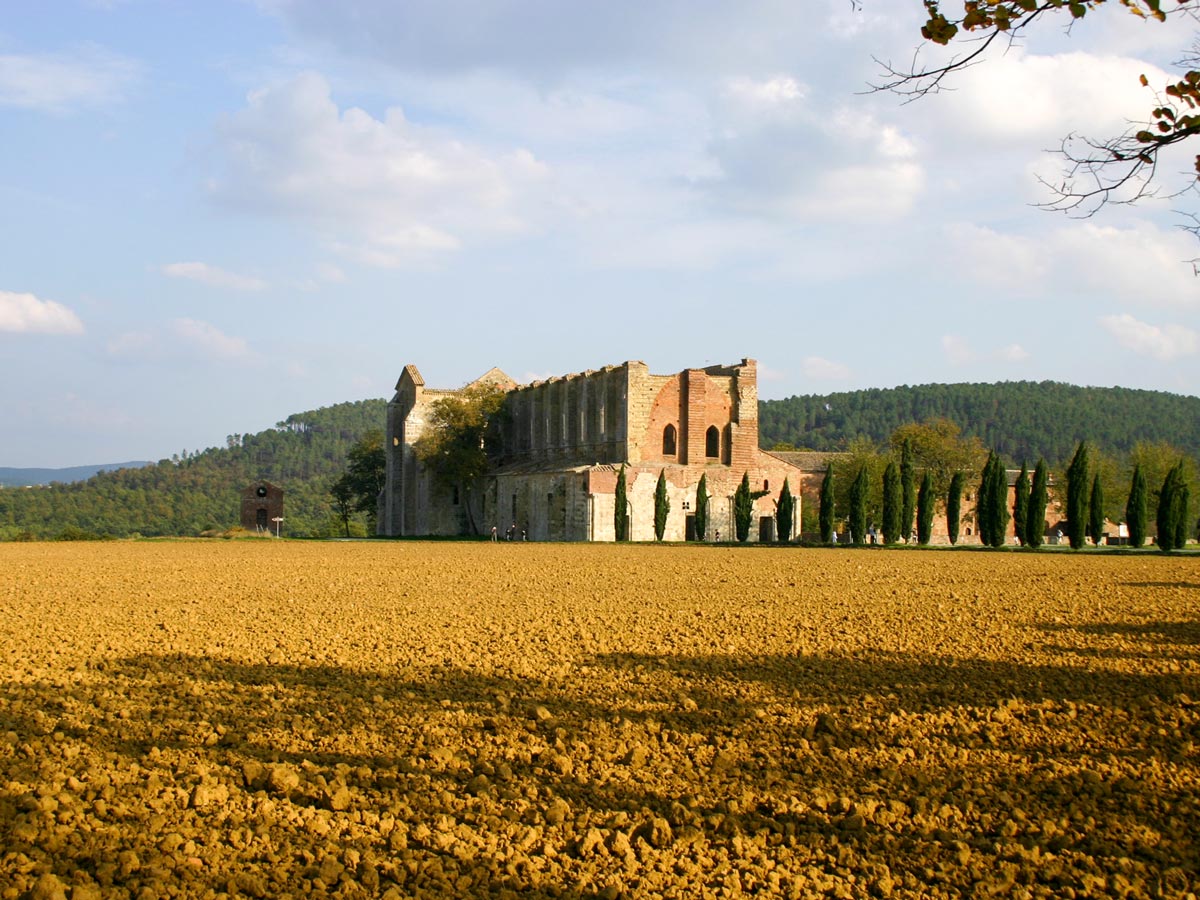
x=712, y=441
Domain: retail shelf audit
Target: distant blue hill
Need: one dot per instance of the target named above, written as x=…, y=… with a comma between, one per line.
x=27, y=477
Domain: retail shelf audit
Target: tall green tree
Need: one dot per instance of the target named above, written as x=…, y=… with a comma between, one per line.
x=826, y=513
x=343, y=501
x=1021, y=503
x=456, y=443
x=954, y=505
x=620, y=513
x=366, y=474
x=1078, y=484
x=1035, y=520
x=983, y=502
x=998, y=487
x=925, y=507
x=784, y=513
x=1096, y=511
x=662, y=505
x=859, y=491
x=743, y=508
x=991, y=510
x=702, y=508
x=1136, y=510
x=908, y=488
x=1172, y=507
x=1183, y=517
x=893, y=503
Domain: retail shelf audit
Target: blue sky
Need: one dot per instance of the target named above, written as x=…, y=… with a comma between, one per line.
x=220, y=213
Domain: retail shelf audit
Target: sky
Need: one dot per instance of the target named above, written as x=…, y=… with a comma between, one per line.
x=219, y=213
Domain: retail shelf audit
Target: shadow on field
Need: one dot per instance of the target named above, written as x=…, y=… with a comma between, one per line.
x=1162, y=584
x=950, y=769
x=1160, y=635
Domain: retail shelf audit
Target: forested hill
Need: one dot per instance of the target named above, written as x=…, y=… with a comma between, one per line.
x=1019, y=419
x=202, y=491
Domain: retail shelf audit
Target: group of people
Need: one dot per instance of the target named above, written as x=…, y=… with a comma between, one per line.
x=512, y=534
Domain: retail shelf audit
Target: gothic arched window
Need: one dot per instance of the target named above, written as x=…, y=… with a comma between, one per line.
x=669, y=441
x=712, y=442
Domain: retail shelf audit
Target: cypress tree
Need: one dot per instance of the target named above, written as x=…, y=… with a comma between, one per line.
x=998, y=488
x=1035, y=521
x=1135, y=508
x=825, y=514
x=859, y=489
x=743, y=509
x=1168, y=509
x=620, y=519
x=702, y=507
x=1077, y=496
x=954, y=506
x=1021, y=503
x=784, y=513
x=1181, y=515
x=1096, y=511
x=893, y=503
x=908, y=489
x=662, y=505
x=984, y=513
x=925, y=509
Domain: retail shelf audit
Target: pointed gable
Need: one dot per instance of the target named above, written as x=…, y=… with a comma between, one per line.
x=494, y=376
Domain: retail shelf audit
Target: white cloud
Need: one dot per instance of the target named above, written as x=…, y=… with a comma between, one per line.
x=818, y=367
x=59, y=83
x=213, y=276
x=957, y=350
x=25, y=313
x=770, y=93
x=1013, y=353
x=1166, y=342
x=1141, y=261
x=131, y=344
x=208, y=340
x=781, y=152
x=394, y=190
x=1019, y=97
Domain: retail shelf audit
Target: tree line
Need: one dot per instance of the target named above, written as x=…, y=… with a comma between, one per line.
x=1019, y=420
x=197, y=492
x=1152, y=485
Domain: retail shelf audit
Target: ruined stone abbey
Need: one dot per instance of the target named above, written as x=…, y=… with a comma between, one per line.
x=563, y=441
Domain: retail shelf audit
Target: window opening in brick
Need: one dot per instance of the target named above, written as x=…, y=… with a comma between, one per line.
x=712, y=442
x=669, y=441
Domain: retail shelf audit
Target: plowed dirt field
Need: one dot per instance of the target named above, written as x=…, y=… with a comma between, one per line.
x=275, y=719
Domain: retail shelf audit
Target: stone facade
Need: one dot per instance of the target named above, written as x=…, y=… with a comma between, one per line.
x=563, y=441
x=261, y=503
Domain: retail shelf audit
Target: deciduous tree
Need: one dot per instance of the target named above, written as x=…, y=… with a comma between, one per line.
x=366, y=474
x=458, y=435
x=1118, y=168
